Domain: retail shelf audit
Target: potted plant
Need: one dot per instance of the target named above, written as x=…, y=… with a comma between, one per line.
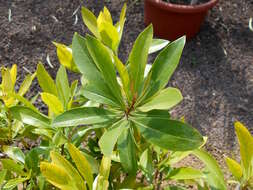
x=174, y=18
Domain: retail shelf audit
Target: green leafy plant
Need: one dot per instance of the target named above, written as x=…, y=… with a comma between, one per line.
x=114, y=124
x=243, y=171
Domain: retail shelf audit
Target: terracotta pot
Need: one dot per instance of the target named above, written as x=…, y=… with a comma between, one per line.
x=172, y=21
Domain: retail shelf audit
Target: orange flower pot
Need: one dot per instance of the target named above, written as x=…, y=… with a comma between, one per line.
x=172, y=21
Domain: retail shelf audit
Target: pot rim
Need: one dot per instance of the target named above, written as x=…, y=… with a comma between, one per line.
x=183, y=8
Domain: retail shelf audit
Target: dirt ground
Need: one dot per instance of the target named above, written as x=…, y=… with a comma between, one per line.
x=215, y=74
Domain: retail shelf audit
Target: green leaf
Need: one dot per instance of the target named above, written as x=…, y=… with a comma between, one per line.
x=57, y=176
x=12, y=183
x=120, y=24
x=30, y=117
x=7, y=84
x=45, y=81
x=103, y=60
x=174, y=188
x=138, y=58
x=146, y=164
x=123, y=73
x=73, y=173
x=177, y=156
x=83, y=116
x=109, y=35
x=105, y=167
x=53, y=103
x=234, y=168
x=246, y=143
x=26, y=84
x=163, y=67
x=12, y=166
x=185, y=173
x=64, y=54
x=169, y=134
x=62, y=85
x=24, y=101
x=157, y=45
x=13, y=73
x=110, y=137
x=214, y=174
x=96, y=89
x=90, y=21
x=127, y=151
x=3, y=173
x=14, y=153
x=165, y=100
x=32, y=161
x=82, y=164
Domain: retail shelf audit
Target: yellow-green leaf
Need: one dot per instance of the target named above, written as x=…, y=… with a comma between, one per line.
x=53, y=103
x=13, y=72
x=90, y=21
x=123, y=73
x=26, y=84
x=82, y=164
x=64, y=54
x=73, y=173
x=107, y=15
x=109, y=35
x=45, y=81
x=246, y=143
x=57, y=176
x=234, y=168
x=7, y=84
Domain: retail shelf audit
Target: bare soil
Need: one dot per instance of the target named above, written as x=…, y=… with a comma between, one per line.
x=215, y=74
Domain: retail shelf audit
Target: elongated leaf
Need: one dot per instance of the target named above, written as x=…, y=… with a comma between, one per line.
x=123, y=73
x=32, y=161
x=45, y=81
x=109, y=35
x=215, y=176
x=164, y=66
x=157, y=44
x=57, y=176
x=24, y=101
x=15, y=153
x=12, y=183
x=64, y=54
x=246, y=143
x=138, y=58
x=169, y=134
x=146, y=164
x=26, y=84
x=110, y=137
x=185, y=173
x=90, y=21
x=62, y=85
x=82, y=164
x=101, y=95
x=120, y=24
x=13, y=72
x=3, y=173
x=165, y=100
x=83, y=116
x=104, y=62
x=12, y=166
x=30, y=117
x=53, y=103
x=73, y=173
x=96, y=89
x=105, y=167
x=234, y=168
x=7, y=84
x=127, y=151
